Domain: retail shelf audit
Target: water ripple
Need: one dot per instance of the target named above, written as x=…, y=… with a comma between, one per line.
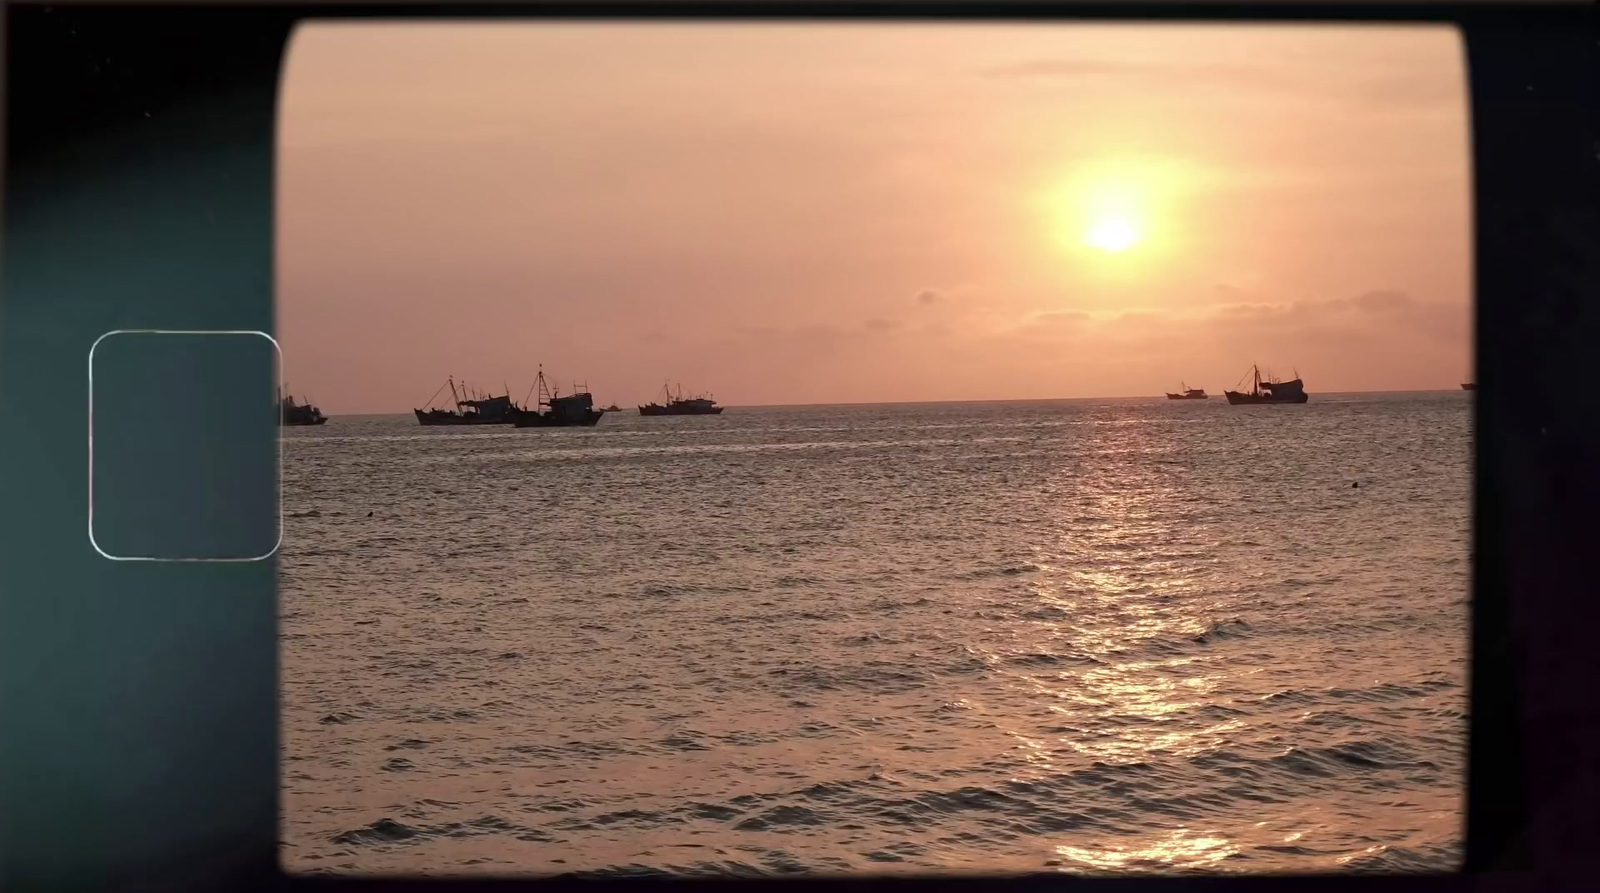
x=1083, y=636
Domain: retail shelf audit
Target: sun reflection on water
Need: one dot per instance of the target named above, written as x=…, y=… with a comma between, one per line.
x=1129, y=583
x=1184, y=849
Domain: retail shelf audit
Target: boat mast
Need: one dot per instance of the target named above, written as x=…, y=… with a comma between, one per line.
x=544, y=388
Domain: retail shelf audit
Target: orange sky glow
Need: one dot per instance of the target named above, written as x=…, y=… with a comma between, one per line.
x=807, y=213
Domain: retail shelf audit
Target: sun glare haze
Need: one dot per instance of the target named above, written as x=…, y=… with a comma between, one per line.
x=1114, y=233
x=1117, y=207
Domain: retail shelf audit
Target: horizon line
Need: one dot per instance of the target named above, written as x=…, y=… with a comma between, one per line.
x=984, y=400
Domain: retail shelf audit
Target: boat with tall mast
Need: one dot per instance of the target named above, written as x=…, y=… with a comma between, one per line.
x=1187, y=393
x=291, y=413
x=555, y=411
x=677, y=405
x=471, y=408
x=1269, y=391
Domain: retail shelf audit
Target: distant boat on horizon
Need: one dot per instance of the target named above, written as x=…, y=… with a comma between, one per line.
x=677, y=405
x=293, y=414
x=1187, y=393
x=1269, y=391
x=475, y=411
x=1469, y=386
x=574, y=410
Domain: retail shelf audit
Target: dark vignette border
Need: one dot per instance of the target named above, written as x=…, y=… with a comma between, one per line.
x=139, y=148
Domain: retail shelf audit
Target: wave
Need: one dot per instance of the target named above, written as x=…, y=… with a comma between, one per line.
x=339, y=718
x=878, y=678
x=1009, y=570
x=781, y=818
x=1176, y=644
x=1233, y=628
x=629, y=818
x=1430, y=858
x=1047, y=612
x=388, y=831
x=1051, y=659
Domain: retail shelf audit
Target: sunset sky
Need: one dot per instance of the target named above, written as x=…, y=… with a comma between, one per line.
x=801, y=213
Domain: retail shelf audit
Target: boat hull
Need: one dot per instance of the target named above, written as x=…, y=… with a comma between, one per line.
x=547, y=420
x=298, y=423
x=453, y=420
x=1188, y=396
x=666, y=410
x=1469, y=387
x=1237, y=399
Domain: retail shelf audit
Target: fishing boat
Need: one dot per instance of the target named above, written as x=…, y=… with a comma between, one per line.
x=612, y=408
x=471, y=408
x=292, y=413
x=1469, y=386
x=1267, y=391
x=678, y=405
x=1187, y=393
x=574, y=410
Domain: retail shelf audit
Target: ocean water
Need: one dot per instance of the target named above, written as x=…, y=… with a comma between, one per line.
x=1081, y=636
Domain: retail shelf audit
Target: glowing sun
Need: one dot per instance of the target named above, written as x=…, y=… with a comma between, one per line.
x=1114, y=234
x=1116, y=211
x=1118, y=206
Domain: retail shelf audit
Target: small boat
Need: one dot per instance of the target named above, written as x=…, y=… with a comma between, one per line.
x=1469, y=386
x=291, y=413
x=1269, y=391
x=471, y=409
x=1187, y=393
x=574, y=410
x=677, y=405
x=612, y=408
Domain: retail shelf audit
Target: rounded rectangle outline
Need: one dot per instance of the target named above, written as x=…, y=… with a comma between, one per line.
x=276, y=349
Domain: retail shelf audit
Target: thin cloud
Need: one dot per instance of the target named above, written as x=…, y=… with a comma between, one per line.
x=1384, y=311
x=1057, y=321
x=1365, y=87
x=1164, y=72
x=1398, y=307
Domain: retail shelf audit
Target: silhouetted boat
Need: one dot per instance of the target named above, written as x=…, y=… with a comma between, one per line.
x=292, y=413
x=679, y=406
x=1269, y=391
x=1469, y=386
x=612, y=408
x=1188, y=393
x=477, y=411
x=574, y=410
